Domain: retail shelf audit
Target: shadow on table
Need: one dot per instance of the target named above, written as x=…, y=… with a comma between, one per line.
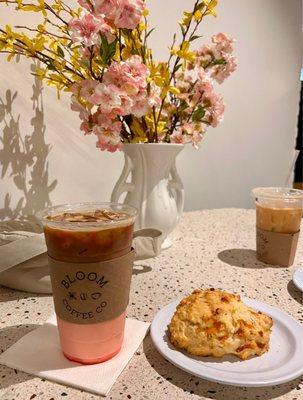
x=7, y=294
x=9, y=336
x=244, y=258
x=210, y=390
x=141, y=269
x=295, y=293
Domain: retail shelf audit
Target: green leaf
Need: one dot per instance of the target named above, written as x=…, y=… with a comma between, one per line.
x=126, y=31
x=198, y=114
x=97, y=61
x=84, y=62
x=182, y=28
x=60, y=52
x=107, y=50
x=220, y=61
x=178, y=67
x=134, y=52
x=194, y=38
x=50, y=65
x=149, y=32
x=112, y=48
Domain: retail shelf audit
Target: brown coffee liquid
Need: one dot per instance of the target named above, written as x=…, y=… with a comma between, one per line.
x=109, y=236
x=283, y=220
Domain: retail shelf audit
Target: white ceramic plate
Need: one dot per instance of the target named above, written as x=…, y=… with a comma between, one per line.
x=282, y=363
x=298, y=278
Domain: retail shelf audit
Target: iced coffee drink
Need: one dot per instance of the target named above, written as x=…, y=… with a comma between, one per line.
x=90, y=257
x=89, y=236
x=278, y=219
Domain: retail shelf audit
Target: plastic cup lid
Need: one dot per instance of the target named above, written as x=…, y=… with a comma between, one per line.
x=281, y=193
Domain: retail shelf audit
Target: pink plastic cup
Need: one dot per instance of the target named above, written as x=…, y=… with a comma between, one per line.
x=93, y=343
x=102, y=241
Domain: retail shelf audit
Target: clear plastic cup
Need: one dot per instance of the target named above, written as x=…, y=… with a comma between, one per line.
x=278, y=210
x=88, y=242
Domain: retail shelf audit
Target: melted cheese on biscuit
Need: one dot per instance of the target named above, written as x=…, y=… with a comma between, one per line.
x=216, y=323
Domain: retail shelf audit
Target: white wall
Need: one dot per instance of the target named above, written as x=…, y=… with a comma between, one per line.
x=252, y=147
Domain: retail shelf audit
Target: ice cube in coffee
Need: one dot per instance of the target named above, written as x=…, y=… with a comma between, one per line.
x=88, y=236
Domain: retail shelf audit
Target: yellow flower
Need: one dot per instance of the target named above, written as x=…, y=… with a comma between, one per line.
x=173, y=90
x=145, y=12
x=186, y=20
x=41, y=28
x=185, y=53
x=211, y=5
x=137, y=129
x=32, y=7
x=198, y=15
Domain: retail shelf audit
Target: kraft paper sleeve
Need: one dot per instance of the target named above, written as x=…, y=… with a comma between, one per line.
x=276, y=248
x=89, y=293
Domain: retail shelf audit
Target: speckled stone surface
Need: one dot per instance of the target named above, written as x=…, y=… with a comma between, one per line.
x=212, y=248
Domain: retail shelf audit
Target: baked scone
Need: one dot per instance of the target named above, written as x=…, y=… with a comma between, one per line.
x=215, y=323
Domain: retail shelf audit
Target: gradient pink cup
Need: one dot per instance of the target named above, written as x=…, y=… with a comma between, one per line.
x=89, y=242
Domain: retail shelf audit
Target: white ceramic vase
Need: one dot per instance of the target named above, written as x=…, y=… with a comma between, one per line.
x=152, y=185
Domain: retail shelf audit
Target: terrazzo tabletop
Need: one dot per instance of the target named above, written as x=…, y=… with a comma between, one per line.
x=211, y=248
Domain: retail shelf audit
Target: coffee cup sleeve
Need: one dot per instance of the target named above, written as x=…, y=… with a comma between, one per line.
x=90, y=293
x=276, y=248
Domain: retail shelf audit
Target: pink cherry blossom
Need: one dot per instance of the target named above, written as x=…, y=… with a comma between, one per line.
x=129, y=13
x=107, y=96
x=196, y=139
x=102, y=119
x=138, y=70
x=223, y=71
x=87, y=28
x=154, y=98
x=187, y=128
x=130, y=76
x=127, y=103
x=223, y=42
x=87, y=89
x=109, y=138
x=217, y=57
x=85, y=127
x=181, y=83
x=216, y=110
x=193, y=133
x=111, y=131
x=108, y=146
x=177, y=137
x=203, y=87
x=141, y=105
x=205, y=52
x=184, y=80
x=108, y=8
x=121, y=13
x=119, y=74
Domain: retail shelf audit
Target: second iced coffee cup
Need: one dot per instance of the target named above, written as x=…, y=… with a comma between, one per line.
x=91, y=260
x=278, y=219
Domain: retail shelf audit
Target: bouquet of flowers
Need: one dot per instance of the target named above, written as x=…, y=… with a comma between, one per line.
x=99, y=52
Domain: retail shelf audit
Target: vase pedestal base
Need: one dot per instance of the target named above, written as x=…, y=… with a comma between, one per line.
x=166, y=244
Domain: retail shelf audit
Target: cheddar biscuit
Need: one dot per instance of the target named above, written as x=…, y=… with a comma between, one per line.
x=215, y=323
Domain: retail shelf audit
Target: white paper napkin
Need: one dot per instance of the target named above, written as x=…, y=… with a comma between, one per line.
x=38, y=353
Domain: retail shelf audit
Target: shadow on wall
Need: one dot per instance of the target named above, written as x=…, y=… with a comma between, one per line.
x=24, y=158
